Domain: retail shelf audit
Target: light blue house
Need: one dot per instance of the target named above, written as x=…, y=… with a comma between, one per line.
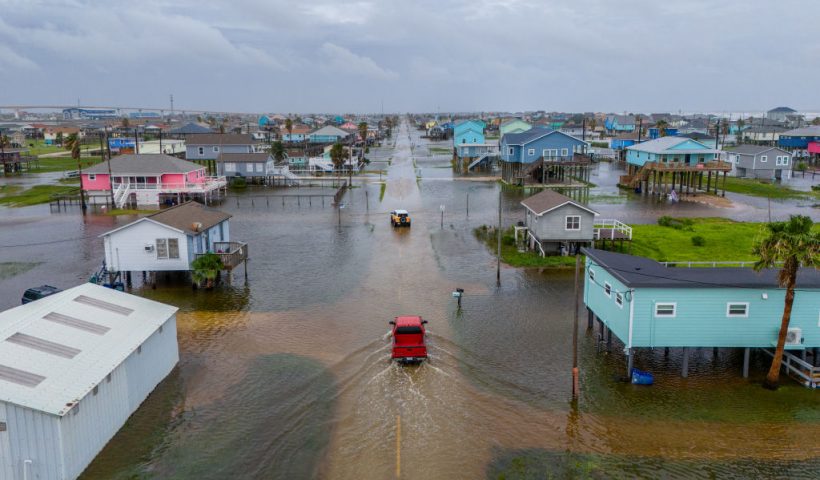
x=518, y=150
x=328, y=134
x=620, y=123
x=648, y=305
x=468, y=131
x=684, y=151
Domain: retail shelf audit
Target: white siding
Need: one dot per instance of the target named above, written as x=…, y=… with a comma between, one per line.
x=62, y=447
x=125, y=249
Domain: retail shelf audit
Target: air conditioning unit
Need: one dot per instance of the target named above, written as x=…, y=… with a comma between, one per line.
x=149, y=248
x=794, y=336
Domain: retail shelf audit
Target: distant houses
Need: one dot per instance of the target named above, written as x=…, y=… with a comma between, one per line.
x=620, y=123
x=328, y=134
x=761, y=162
x=298, y=134
x=803, y=140
x=148, y=180
x=513, y=126
x=780, y=114
x=648, y=305
x=255, y=166
x=209, y=146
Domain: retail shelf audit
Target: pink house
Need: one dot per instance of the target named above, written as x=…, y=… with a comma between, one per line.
x=148, y=180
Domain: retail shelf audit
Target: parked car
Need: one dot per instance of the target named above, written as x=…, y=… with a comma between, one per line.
x=400, y=218
x=408, y=339
x=36, y=293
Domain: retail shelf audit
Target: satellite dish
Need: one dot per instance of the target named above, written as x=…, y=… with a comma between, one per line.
x=196, y=226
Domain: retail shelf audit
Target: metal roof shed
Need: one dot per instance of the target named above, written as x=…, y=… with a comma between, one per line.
x=73, y=367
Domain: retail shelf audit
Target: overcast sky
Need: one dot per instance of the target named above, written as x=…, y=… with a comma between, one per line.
x=415, y=55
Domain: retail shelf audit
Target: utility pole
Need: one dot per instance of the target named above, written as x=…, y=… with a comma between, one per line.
x=498, y=256
x=110, y=178
x=575, y=387
x=136, y=141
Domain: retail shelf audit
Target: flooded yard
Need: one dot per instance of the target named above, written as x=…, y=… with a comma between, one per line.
x=288, y=375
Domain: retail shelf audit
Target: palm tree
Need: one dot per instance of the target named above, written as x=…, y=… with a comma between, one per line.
x=205, y=269
x=816, y=121
x=73, y=145
x=363, y=134
x=338, y=155
x=125, y=122
x=661, y=125
x=277, y=150
x=59, y=138
x=794, y=244
x=289, y=128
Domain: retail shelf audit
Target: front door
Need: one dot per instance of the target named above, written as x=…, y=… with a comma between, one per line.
x=688, y=158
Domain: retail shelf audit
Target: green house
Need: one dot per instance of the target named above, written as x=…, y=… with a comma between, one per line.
x=648, y=305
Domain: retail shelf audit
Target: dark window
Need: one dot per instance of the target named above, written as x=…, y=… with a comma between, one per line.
x=401, y=330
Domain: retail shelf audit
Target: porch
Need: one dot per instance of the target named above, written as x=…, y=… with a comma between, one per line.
x=231, y=253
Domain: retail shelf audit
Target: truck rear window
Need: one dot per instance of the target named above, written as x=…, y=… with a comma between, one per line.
x=408, y=330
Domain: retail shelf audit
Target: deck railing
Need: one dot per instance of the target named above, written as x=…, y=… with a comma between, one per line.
x=231, y=253
x=210, y=183
x=808, y=374
x=612, y=227
x=689, y=264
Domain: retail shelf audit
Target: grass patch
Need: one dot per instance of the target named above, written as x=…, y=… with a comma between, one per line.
x=439, y=150
x=10, y=269
x=510, y=254
x=382, y=189
x=62, y=164
x=9, y=189
x=756, y=188
x=36, y=195
x=608, y=199
x=128, y=211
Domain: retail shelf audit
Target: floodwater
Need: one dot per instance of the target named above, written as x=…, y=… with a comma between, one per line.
x=288, y=375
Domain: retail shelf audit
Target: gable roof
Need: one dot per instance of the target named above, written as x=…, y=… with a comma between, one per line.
x=83, y=333
x=747, y=149
x=220, y=139
x=667, y=144
x=635, y=271
x=532, y=135
x=144, y=164
x=183, y=216
x=190, y=128
x=696, y=136
x=812, y=131
x=782, y=110
x=549, y=200
x=330, y=131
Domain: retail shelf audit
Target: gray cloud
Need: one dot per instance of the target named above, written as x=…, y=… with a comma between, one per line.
x=276, y=55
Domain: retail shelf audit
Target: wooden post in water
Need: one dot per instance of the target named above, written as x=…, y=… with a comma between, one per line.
x=498, y=256
x=575, y=332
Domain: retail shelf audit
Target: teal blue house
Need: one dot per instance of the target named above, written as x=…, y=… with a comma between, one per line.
x=328, y=134
x=672, y=150
x=648, y=305
x=468, y=132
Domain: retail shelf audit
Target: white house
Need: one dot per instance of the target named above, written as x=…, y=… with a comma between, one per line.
x=73, y=367
x=171, y=239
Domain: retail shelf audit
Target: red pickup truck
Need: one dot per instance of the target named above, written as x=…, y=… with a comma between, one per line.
x=408, y=339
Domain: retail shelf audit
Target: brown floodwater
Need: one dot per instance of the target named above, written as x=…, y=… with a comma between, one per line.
x=288, y=375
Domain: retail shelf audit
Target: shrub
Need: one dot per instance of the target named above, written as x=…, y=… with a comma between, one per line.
x=801, y=167
x=239, y=182
x=676, y=223
x=698, y=241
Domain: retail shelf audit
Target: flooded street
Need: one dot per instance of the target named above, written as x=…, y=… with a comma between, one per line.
x=288, y=375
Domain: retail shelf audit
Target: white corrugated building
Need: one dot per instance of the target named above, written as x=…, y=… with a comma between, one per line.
x=73, y=367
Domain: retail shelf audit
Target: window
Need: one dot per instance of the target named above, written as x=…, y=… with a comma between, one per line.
x=260, y=167
x=511, y=151
x=763, y=158
x=608, y=289
x=173, y=248
x=216, y=149
x=619, y=300
x=564, y=152
x=162, y=248
x=92, y=176
x=737, y=309
x=665, y=309
x=230, y=167
x=573, y=222
x=249, y=167
x=592, y=274
x=531, y=151
x=201, y=150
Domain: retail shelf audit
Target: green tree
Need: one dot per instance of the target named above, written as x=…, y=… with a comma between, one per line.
x=59, y=138
x=277, y=150
x=205, y=269
x=816, y=121
x=363, y=133
x=125, y=122
x=72, y=144
x=794, y=244
x=338, y=155
x=661, y=125
x=289, y=128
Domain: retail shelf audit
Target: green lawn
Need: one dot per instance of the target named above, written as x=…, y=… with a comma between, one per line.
x=34, y=195
x=512, y=257
x=440, y=150
x=756, y=188
x=62, y=164
x=725, y=240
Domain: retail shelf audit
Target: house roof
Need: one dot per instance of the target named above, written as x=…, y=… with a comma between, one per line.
x=297, y=129
x=764, y=129
x=220, y=139
x=144, y=164
x=330, y=131
x=696, y=136
x=635, y=271
x=245, y=157
x=812, y=131
x=747, y=149
x=665, y=145
x=190, y=128
x=782, y=110
x=624, y=119
x=184, y=216
x=549, y=200
x=54, y=351
x=531, y=135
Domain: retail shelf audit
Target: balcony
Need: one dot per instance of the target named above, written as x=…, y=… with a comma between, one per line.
x=210, y=184
x=231, y=253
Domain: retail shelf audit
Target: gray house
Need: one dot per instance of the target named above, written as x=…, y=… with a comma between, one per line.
x=208, y=146
x=556, y=222
x=758, y=161
x=248, y=165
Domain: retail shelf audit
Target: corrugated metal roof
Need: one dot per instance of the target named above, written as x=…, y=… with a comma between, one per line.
x=49, y=365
